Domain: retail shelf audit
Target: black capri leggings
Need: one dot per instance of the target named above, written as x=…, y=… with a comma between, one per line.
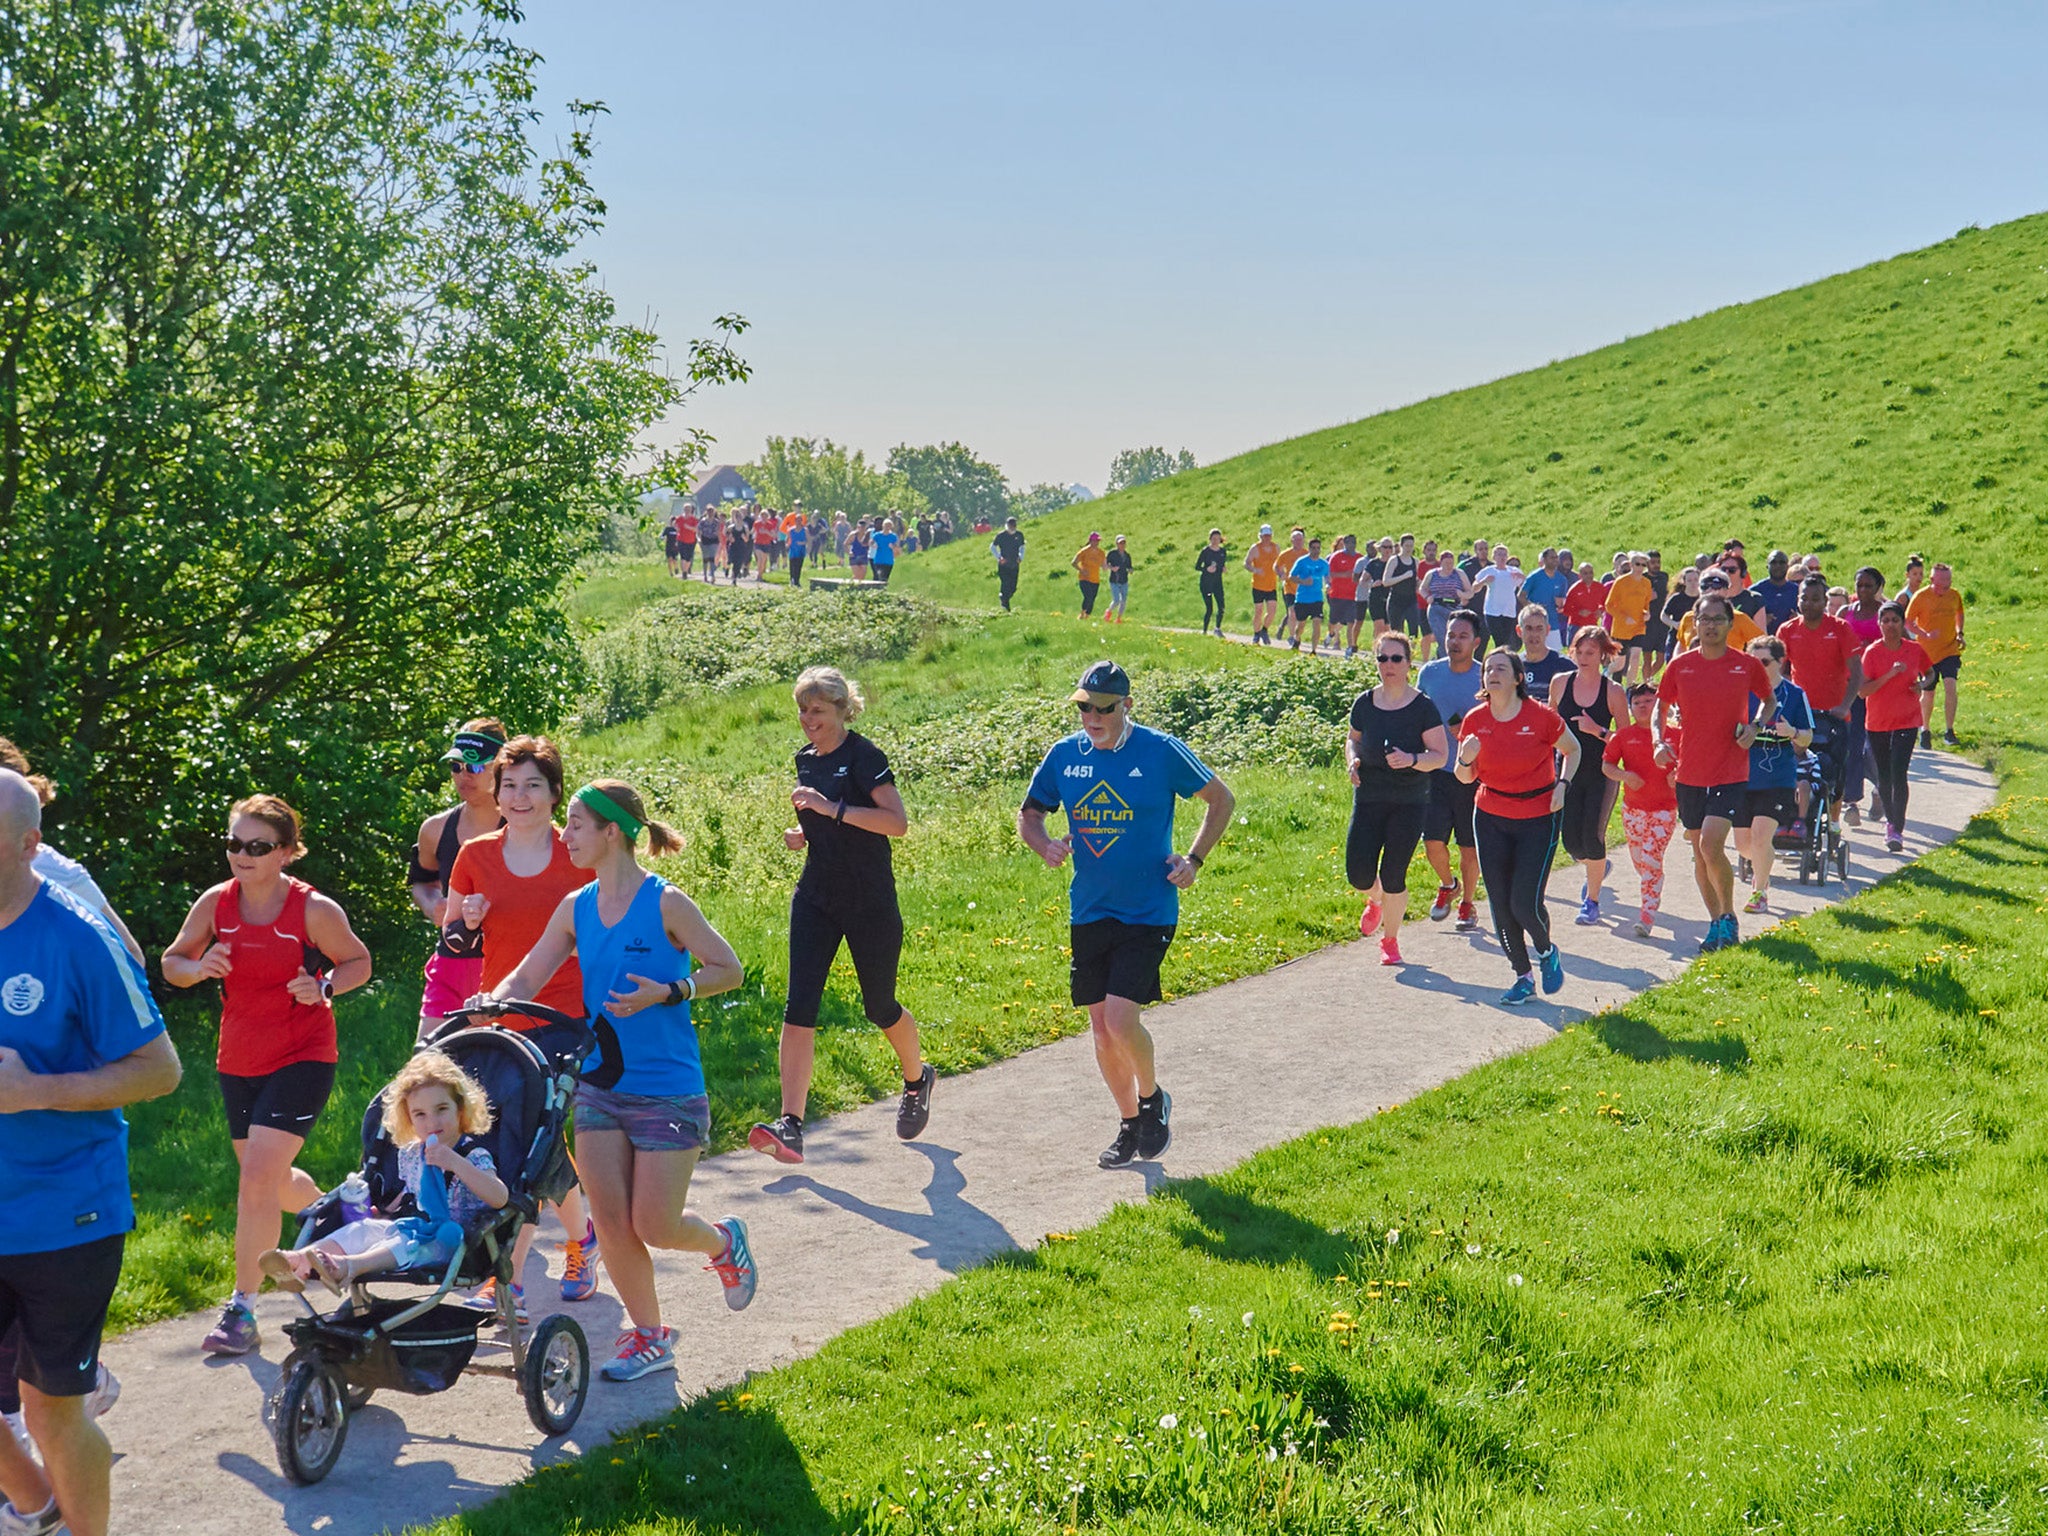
x=1212, y=596
x=1514, y=859
x=1588, y=803
x=1892, y=751
x=873, y=935
x=1381, y=842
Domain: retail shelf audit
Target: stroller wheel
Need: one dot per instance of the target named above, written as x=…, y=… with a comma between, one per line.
x=311, y=1420
x=556, y=1377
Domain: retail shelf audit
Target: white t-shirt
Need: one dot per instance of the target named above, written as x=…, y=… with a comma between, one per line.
x=1501, y=585
x=70, y=875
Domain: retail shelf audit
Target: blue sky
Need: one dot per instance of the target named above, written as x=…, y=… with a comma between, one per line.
x=1052, y=231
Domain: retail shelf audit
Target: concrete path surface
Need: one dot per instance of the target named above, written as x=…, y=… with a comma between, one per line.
x=868, y=1223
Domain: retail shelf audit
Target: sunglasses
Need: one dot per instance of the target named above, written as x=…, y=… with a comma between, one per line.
x=1094, y=709
x=469, y=767
x=255, y=848
x=1389, y=661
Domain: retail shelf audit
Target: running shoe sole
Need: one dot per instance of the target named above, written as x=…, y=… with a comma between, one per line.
x=762, y=1139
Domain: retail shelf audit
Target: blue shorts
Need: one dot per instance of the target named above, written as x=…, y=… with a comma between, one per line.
x=652, y=1122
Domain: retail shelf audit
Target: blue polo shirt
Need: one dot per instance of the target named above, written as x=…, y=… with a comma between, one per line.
x=1774, y=764
x=71, y=999
x=1310, y=572
x=1454, y=694
x=1119, y=808
x=1548, y=588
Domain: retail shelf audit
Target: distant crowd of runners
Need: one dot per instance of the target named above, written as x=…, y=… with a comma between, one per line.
x=744, y=540
x=1702, y=702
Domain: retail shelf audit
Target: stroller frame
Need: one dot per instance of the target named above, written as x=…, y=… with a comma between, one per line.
x=370, y=1343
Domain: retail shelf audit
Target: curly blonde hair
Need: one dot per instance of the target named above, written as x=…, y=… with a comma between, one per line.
x=435, y=1069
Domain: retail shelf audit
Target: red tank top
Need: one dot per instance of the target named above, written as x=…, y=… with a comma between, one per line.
x=262, y=1026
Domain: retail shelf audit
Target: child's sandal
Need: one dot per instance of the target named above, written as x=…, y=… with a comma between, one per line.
x=278, y=1267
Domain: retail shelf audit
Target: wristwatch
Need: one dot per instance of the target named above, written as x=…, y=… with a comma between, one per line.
x=684, y=991
x=1195, y=859
x=327, y=988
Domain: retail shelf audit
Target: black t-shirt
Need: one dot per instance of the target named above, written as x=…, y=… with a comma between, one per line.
x=1009, y=547
x=1210, y=563
x=846, y=866
x=1401, y=729
x=1119, y=562
x=1401, y=571
x=1751, y=602
x=1472, y=565
x=1676, y=607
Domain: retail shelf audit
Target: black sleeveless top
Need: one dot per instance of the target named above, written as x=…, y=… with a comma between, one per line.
x=458, y=940
x=1575, y=715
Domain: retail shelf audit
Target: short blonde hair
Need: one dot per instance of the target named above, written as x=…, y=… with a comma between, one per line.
x=834, y=687
x=435, y=1069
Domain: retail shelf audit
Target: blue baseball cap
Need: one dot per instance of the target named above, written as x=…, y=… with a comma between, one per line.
x=1102, y=682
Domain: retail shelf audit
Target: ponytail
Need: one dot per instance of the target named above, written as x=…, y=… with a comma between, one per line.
x=602, y=797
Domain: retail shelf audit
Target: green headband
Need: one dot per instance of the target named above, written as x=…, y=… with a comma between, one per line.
x=604, y=806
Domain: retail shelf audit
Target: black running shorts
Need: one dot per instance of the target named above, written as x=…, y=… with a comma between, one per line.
x=289, y=1099
x=1449, y=815
x=1116, y=959
x=59, y=1299
x=1697, y=802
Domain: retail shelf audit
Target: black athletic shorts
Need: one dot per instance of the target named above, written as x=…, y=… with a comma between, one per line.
x=1116, y=959
x=873, y=936
x=289, y=1099
x=1449, y=816
x=1267, y=595
x=1948, y=666
x=1697, y=802
x=59, y=1298
x=1308, y=610
x=686, y=551
x=1781, y=805
x=1343, y=610
x=1376, y=604
x=1403, y=617
x=1641, y=642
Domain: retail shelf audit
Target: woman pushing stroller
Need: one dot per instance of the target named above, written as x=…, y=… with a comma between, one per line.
x=642, y=1115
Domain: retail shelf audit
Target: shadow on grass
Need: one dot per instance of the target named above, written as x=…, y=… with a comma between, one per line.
x=1917, y=876
x=1640, y=1040
x=1234, y=1227
x=1938, y=988
x=1873, y=922
x=717, y=1468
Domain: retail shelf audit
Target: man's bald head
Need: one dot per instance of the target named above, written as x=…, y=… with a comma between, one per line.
x=21, y=808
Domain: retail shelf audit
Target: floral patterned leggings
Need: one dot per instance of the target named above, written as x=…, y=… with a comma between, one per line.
x=1649, y=834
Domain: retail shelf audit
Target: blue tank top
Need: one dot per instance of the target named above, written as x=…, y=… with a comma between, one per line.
x=652, y=1053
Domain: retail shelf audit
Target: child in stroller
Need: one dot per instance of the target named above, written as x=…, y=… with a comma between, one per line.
x=433, y=1113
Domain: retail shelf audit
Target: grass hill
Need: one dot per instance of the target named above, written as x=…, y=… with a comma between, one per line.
x=1900, y=407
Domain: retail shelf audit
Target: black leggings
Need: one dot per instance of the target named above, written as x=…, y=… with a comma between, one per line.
x=1381, y=842
x=796, y=570
x=1212, y=596
x=1893, y=753
x=1514, y=860
x=1088, y=591
x=873, y=935
x=1006, y=582
x=1588, y=804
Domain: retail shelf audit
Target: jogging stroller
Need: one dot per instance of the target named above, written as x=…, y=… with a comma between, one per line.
x=371, y=1343
x=1823, y=845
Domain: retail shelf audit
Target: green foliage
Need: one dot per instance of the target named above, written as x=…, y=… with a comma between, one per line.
x=308, y=406
x=699, y=642
x=952, y=479
x=828, y=478
x=1141, y=466
x=1037, y=500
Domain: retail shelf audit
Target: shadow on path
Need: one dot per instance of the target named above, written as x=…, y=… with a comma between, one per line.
x=952, y=1232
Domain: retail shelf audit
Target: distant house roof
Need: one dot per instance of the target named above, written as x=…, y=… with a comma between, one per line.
x=721, y=482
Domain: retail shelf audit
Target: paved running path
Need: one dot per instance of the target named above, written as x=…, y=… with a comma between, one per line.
x=868, y=1223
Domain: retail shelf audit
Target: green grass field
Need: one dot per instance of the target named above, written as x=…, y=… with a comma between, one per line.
x=1760, y=1252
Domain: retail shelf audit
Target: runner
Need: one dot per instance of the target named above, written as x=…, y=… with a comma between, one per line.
x=1118, y=563
x=882, y=551
x=1306, y=576
x=1117, y=782
x=1675, y=610
x=1658, y=634
x=1088, y=563
x=1347, y=610
x=1211, y=560
x=1502, y=583
x=1771, y=801
x=1861, y=615
x=711, y=537
x=671, y=546
x=1540, y=664
x=1934, y=618
x=1892, y=669
x=859, y=545
x=1455, y=685
x=1445, y=590
x=1630, y=601
x=505, y=886
x=1916, y=573
x=739, y=544
x=81, y=1038
x=1509, y=747
x=1827, y=664
x=687, y=524
x=798, y=535
x=1008, y=549
x=642, y=1115
x=1545, y=587
x=456, y=965
x=767, y=528
x=1741, y=627
x=1403, y=578
x=1373, y=569
x=1263, y=561
x=1396, y=743
x=1297, y=549
x=1709, y=687
x=1591, y=703
x=1649, y=804
x=848, y=808
x=1777, y=593
x=282, y=953
x=1584, y=602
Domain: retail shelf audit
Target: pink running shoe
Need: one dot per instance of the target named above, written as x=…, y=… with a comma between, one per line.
x=1369, y=920
x=1390, y=952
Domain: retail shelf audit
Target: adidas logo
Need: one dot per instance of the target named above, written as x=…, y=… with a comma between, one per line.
x=1137, y=773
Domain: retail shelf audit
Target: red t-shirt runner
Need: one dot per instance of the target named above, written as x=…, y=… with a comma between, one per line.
x=1344, y=576
x=1817, y=656
x=1517, y=762
x=1632, y=749
x=1584, y=603
x=1895, y=706
x=686, y=527
x=520, y=908
x=1713, y=699
x=262, y=1026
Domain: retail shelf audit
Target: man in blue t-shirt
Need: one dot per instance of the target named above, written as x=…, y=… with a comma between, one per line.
x=1453, y=686
x=79, y=1037
x=1546, y=587
x=1118, y=781
x=1309, y=573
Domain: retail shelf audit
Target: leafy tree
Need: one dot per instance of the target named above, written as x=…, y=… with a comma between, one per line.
x=1141, y=466
x=952, y=479
x=307, y=407
x=1039, y=500
x=828, y=478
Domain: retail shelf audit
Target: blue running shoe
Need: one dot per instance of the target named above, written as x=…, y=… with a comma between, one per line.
x=642, y=1351
x=1523, y=991
x=735, y=1268
x=1551, y=962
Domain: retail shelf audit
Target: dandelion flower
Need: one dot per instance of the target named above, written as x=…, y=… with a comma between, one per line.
x=1514, y=1279
x=1246, y=1319
x=1472, y=1250
x=1169, y=1421
x=1393, y=1237
x=1194, y=1312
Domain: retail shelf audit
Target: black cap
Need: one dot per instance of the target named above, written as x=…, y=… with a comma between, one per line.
x=1104, y=680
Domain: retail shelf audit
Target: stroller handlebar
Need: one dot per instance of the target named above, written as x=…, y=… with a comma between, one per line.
x=499, y=1008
